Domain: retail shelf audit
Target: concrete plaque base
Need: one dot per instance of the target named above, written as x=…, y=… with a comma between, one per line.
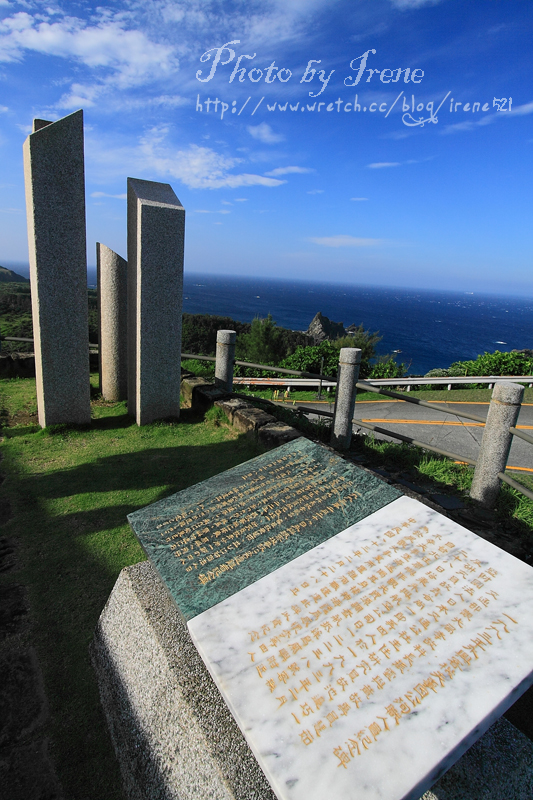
x=175, y=737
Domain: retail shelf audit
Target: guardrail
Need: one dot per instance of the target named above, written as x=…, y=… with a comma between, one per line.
x=497, y=436
x=499, y=427
x=409, y=383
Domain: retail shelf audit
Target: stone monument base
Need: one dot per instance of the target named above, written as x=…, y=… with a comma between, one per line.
x=175, y=738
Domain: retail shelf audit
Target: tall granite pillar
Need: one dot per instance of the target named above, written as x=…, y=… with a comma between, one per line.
x=112, y=323
x=55, y=206
x=156, y=228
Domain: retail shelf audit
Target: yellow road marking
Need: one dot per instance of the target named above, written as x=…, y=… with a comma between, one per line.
x=436, y=402
x=438, y=422
x=375, y=402
x=428, y=422
x=521, y=469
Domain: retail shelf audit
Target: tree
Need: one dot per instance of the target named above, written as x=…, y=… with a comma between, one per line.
x=363, y=339
x=387, y=367
x=263, y=345
x=309, y=359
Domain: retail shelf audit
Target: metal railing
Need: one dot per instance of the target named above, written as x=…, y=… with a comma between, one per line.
x=371, y=386
x=376, y=386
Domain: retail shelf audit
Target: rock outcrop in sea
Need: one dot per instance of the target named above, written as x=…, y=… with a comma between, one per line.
x=322, y=328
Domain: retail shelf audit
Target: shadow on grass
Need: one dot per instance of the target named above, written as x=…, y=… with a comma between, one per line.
x=74, y=540
x=101, y=423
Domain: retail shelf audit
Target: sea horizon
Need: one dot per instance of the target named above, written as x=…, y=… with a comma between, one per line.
x=424, y=328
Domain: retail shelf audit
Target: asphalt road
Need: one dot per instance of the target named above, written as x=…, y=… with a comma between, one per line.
x=440, y=429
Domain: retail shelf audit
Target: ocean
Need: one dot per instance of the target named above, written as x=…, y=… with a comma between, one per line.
x=430, y=328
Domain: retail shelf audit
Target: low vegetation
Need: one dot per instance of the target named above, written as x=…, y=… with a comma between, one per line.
x=70, y=490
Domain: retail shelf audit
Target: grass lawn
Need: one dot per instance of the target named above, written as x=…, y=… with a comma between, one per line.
x=70, y=490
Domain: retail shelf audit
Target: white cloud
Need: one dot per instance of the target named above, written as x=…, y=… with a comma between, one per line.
x=287, y=171
x=520, y=111
x=264, y=133
x=120, y=56
x=114, y=196
x=472, y=124
x=261, y=22
x=157, y=158
x=241, y=199
x=383, y=164
x=3, y=109
x=344, y=241
x=315, y=191
x=205, y=211
x=358, y=198
x=408, y=4
x=161, y=101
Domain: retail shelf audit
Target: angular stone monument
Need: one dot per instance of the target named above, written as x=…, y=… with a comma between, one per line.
x=156, y=228
x=55, y=205
x=112, y=285
x=361, y=641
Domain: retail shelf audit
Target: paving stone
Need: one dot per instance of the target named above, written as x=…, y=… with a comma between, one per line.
x=248, y=420
x=276, y=433
x=230, y=406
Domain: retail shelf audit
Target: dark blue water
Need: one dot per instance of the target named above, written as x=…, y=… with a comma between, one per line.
x=432, y=329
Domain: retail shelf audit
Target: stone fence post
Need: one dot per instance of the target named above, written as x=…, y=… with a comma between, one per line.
x=496, y=442
x=112, y=283
x=225, y=359
x=349, y=363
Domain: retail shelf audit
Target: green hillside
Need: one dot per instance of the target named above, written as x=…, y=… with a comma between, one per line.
x=8, y=276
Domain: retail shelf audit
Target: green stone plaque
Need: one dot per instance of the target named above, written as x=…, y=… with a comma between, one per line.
x=217, y=537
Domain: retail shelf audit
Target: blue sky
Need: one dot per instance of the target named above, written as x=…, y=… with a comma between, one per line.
x=331, y=192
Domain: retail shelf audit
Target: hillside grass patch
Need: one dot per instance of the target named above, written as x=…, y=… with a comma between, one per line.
x=70, y=489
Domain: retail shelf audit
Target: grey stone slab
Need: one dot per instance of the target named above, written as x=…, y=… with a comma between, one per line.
x=230, y=406
x=249, y=419
x=112, y=277
x=156, y=229
x=217, y=537
x=275, y=434
x=55, y=205
x=175, y=738
x=189, y=386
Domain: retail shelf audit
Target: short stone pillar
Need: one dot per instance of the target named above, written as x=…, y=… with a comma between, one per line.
x=55, y=206
x=225, y=360
x=349, y=363
x=112, y=274
x=156, y=228
x=496, y=442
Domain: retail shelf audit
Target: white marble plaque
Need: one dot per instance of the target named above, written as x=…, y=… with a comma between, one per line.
x=366, y=667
